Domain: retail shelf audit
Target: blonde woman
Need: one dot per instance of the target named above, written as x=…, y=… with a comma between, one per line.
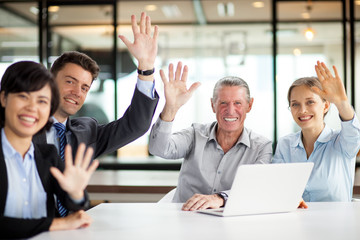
x=333, y=152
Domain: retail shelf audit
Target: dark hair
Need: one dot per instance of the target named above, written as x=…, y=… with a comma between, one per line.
x=308, y=82
x=230, y=81
x=27, y=76
x=77, y=58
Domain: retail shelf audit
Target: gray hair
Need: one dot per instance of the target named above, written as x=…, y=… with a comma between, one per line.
x=230, y=81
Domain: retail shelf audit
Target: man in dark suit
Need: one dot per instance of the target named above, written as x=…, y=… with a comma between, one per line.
x=74, y=73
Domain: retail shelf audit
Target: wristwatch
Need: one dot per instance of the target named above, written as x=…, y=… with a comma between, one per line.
x=146, y=72
x=224, y=196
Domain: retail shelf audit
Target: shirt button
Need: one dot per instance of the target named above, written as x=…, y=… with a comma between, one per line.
x=24, y=179
x=219, y=172
x=214, y=190
x=26, y=203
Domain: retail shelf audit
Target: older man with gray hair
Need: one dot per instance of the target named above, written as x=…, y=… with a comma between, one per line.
x=212, y=152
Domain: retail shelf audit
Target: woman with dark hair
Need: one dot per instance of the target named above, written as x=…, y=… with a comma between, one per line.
x=31, y=174
x=333, y=152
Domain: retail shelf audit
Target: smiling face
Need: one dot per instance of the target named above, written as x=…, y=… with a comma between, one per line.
x=231, y=107
x=74, y=83
x=26, y=112
x=307, y=108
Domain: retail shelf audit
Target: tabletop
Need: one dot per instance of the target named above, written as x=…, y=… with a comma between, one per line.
x=329, y=221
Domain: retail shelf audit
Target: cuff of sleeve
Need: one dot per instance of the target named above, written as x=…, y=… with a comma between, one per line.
x=78, y=202
x=163, y=126
x=351, y=123
x=146, y=87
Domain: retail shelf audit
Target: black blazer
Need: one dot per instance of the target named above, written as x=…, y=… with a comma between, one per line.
x=45, y=157
x=106, y=138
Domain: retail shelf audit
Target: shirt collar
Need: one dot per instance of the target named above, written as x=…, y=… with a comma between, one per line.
x=244, y=138
x=9, y=151
x=324, y=137
x=56, y=121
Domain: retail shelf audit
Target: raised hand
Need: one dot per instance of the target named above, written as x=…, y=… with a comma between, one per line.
x=176, y=92
x=144, y=48
x=333, y=90
x=76, y=175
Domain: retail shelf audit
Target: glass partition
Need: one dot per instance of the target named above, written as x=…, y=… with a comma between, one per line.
x=19, y=37
x=87, y=29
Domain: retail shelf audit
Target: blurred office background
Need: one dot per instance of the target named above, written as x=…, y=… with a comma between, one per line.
x=268, y=43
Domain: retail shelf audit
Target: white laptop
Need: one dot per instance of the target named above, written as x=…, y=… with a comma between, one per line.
x=265, y=188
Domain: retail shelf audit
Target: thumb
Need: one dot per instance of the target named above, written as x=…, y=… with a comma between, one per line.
x=57, y=174
x=125, y=40
x=193, y=87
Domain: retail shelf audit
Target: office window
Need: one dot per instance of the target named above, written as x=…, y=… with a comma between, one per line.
x=309, y=10
x=88, y=29
x=213, y=50
x=18, y=33
x=297, y=57
x=357, y=56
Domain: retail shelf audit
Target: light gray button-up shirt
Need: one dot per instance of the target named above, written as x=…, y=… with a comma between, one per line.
x=206, y=169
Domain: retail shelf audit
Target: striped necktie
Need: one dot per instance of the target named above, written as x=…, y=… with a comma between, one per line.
x=60, y=130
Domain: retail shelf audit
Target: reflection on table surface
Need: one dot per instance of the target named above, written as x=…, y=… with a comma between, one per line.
x=166, y=221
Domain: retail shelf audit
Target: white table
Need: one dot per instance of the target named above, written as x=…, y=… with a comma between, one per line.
x=166, y=221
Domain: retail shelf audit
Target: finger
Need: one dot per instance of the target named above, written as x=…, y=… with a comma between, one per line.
x=185, y=73
x=148, y=25
x=303, y=205
x=326, y=70
x=203, y=205
x=125, y=41
x=79, y=155
x=143, y=23
x=318, y=73
x=58, y=175
x=336, y=72
x=185, y=207
x=156, y=33
x=87, y=158
x=163, y=77
x=189, y=203
x=198, y=205
x=178, y=71
x=171, y=72
x=93, y=167
x=68, y=156
x=134, y=25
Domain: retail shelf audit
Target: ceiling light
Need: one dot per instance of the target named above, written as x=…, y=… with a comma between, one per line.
x=226, y=9
x=357, y=2
x=53, y=9
x=171, y=11
x=230, y=9
x=297, y=52
x=258, y=4
x=34, y=10
x=221, y=9
x=309, y=33
x=150, y=8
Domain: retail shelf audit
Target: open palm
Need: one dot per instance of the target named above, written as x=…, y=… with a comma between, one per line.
x=76, y=175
